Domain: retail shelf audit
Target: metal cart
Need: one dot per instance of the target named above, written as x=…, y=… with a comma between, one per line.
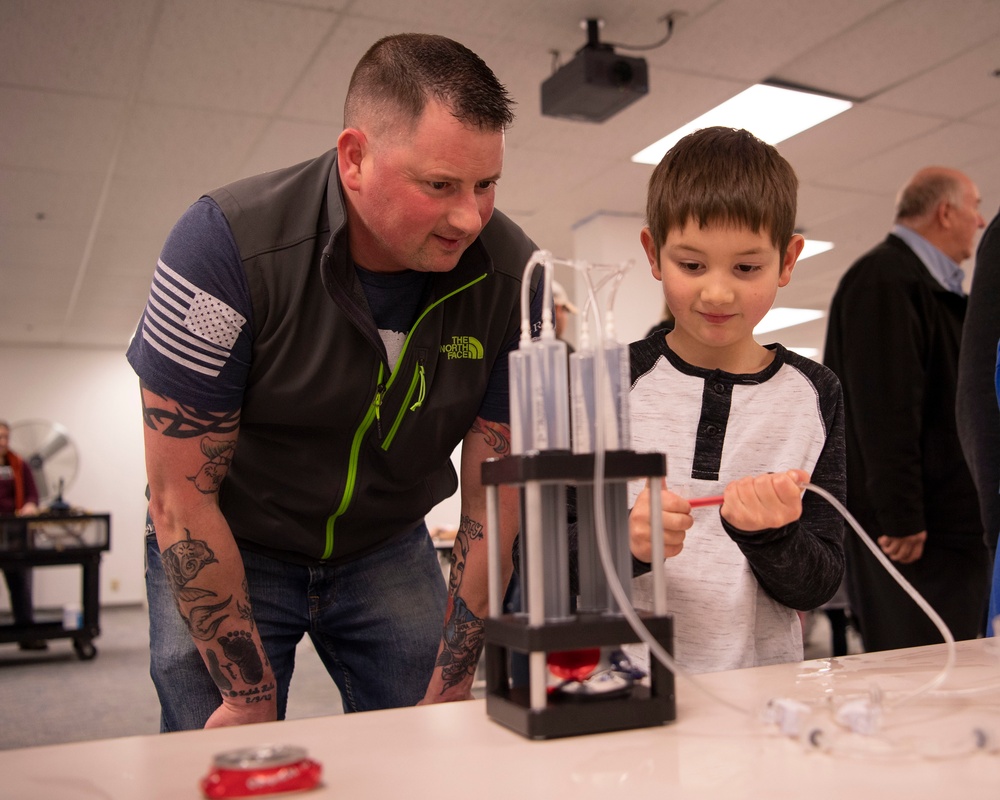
x=51, y=540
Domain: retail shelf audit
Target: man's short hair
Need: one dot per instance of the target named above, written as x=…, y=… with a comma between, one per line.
x=398, y=75
x=723, y=176
x=918, y=199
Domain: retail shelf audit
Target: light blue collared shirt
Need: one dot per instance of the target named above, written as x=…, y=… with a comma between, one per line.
x=942, y=269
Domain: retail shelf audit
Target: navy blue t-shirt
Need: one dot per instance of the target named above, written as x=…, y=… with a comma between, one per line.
x=194, y=342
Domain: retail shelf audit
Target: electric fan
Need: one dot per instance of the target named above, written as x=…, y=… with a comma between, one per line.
x=50, y=452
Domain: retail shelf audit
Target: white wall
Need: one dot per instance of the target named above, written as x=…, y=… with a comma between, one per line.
x=94, y=394
x=611, y=239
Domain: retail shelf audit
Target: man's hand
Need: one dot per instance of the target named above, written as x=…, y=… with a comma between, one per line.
x=904, y=549
x=675, y=520
x=237, y=712
x=763, y=502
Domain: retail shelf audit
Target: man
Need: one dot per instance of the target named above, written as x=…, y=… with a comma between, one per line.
x=316, y=343
x=893, y=339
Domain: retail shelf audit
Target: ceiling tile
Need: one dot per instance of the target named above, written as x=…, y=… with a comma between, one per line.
x=92, y=46
x=232, y=55
x=50, y=131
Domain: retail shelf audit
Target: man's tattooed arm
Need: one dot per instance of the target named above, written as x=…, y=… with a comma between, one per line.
x=188, y=454
x=468, y=601
x=234, y=658
x=463, y=630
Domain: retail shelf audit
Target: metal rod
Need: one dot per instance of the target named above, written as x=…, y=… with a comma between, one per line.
x=659, y=576
x=494, y=572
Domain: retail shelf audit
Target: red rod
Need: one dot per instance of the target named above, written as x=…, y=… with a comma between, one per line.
x=699, y=502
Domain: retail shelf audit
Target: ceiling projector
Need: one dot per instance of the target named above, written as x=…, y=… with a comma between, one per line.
x=595, y=85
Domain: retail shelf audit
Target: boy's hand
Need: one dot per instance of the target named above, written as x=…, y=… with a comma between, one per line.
x=675, y=519
x=764, y=501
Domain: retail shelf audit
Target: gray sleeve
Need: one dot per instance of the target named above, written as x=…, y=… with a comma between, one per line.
x=802, y=565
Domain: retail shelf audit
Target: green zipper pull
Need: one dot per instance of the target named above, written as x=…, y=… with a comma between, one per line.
x=422, y=393
x=379, y=394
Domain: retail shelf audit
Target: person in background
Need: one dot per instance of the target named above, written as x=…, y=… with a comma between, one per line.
x=893, y=339
x=18, y=495
x=316, y=343
x=976, y=409
x=735, y=418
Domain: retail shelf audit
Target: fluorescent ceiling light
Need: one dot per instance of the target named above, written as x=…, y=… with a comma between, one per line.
x=771, y=113
x=813, y=247
x=778, y=318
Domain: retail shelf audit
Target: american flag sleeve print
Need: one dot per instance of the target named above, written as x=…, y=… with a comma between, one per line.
x=188, y=325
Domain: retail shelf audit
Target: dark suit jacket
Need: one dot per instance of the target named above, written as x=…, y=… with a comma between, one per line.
x=893, y=340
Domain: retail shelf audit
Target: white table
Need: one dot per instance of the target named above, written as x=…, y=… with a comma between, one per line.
x=456, y=751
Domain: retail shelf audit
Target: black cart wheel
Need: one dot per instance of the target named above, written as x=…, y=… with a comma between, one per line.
x=84, y=649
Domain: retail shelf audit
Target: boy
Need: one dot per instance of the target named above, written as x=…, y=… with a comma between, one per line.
x=734, y=417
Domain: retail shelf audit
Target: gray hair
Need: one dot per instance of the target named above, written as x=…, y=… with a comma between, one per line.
x=925, y=191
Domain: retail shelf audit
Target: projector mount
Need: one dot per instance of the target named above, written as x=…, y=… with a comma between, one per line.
x=598, y=83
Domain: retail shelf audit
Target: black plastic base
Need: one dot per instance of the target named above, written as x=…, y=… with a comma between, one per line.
x=642, y=707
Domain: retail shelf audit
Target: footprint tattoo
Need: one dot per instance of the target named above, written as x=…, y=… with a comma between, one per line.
x=240, y=649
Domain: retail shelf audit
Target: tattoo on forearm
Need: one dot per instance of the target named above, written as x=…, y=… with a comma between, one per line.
x=239, y=648
x=496, y=434
x=185, y=422
x=468, y=530
x=257, y=694
x=215, y=670
x=240, y=659
x=219, y=453
x=204, y=621
x=457, y=561
x=244, y=664
x=470, y=527
x=463, y=639
x=463, y=630
x=182, y=562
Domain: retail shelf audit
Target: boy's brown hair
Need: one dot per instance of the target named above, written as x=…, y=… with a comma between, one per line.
x=723, y=176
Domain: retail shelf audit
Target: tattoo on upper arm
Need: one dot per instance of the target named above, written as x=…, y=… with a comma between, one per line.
x=496, y=434
x=184, y=422
x=463, y=631
x=219, y=453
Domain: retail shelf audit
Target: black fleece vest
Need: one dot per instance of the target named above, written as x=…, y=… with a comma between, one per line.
x=335, y=454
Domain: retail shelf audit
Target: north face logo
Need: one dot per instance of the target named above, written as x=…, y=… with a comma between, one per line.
x=463, y=347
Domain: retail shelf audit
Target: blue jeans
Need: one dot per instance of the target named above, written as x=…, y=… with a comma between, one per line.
x=375, y=622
